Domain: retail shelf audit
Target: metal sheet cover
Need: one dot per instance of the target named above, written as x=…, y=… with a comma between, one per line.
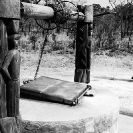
x=54, y=89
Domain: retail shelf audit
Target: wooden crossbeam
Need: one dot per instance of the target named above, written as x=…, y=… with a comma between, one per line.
x=36, y=11
x=29, y=10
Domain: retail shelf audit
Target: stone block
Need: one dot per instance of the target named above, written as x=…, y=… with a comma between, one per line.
x=11, y=125
x=98, y=114
x=8, y=125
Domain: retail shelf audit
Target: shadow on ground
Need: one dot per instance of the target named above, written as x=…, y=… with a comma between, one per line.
x=112, y=78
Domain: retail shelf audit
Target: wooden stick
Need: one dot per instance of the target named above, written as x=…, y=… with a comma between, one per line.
x=105, y=13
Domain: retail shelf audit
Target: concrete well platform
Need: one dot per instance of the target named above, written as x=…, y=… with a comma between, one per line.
x=97, y=114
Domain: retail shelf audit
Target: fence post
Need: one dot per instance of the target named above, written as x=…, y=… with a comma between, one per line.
x=83, y=46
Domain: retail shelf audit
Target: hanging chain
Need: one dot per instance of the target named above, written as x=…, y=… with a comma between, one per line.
x=41, y=54
x=61, y=16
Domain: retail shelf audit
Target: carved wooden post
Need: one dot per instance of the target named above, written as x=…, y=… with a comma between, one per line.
x=11, y=69
x=83, y=46
x=3, y=51
x=10, y=121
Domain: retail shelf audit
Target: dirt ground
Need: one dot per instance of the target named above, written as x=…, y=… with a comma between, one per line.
x=112, y=71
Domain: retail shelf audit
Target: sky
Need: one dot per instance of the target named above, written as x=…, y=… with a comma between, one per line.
x=103, y=3
x=106, y=3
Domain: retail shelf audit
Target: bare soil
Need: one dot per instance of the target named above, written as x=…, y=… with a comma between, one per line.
x=110, y=70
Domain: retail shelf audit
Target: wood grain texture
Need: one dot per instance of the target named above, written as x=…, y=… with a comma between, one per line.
x=10, y=9
x=3, y=51
x=88, y=13
x=10, y=121
x=13, y=95
x=9, y=67
x=11, y=70
x=12, y=27
x=36, y=11
x=83, y=47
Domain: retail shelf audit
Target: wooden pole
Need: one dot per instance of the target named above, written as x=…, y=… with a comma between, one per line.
x=9, y=26
x=36, y=11
x=10, y=120
x=11, y=69
x=83, y=46
x=29, y=10
x=3, y=52
x=8, y=9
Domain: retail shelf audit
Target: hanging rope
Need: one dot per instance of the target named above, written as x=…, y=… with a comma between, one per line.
x=41, y=54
